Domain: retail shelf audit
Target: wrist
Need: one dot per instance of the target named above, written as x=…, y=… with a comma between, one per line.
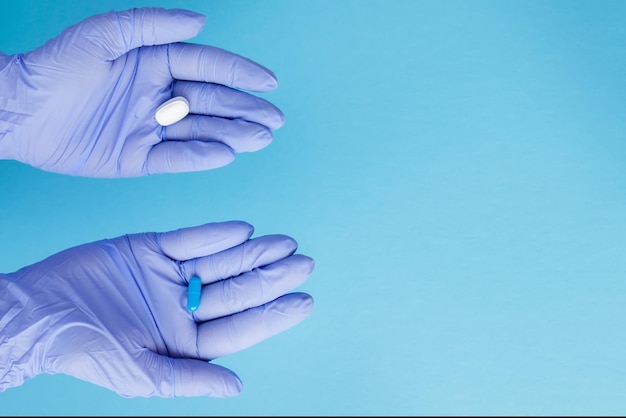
x=20, y=335
x=12, y=114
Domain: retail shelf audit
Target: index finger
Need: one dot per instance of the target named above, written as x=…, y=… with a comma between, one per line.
x=194, y=62
x=197, y=241
x=242, y=258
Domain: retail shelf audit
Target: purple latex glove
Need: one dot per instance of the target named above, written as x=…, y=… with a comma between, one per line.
x=113, y=312
x=84, y=103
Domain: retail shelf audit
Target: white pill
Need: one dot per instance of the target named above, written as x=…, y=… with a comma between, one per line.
x=172, y=111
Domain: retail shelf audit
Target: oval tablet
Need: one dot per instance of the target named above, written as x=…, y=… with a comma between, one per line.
x=172, y=111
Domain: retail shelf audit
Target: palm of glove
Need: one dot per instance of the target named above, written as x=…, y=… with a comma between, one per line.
x=113, y=312
x=85, y=101
x=98, y=115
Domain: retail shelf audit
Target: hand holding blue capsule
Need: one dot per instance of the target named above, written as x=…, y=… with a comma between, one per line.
x=131, y=294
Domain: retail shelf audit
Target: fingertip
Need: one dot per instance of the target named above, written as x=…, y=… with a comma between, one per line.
x=303, y=264
x=280, y=119
x=275, y=247
x=275, y=118
x=306, y=303
x=199, y=17
x=197, y=20
x=262, y=139
x=265, y=81
x=290, y=244
x=221, y=155
x=241, y=227
x=237, y=387
x=232, y=384
x=250, y=75
x=230, y=233
x=297, y=305
x=309, y=263
x=271, y=82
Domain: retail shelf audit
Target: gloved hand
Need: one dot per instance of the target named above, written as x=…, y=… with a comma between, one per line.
x=84, y=103
x=113, y=312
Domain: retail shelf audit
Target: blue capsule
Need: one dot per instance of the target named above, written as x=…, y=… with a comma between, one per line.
x=194, y=291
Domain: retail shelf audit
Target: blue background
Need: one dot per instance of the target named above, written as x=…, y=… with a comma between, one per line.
x=457, y=169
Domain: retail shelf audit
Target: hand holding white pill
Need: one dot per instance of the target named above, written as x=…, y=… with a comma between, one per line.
x=116, y=312
x=93, y=110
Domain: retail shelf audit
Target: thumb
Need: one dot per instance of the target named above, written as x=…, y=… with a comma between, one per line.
x=190, y=377
x=113, y=34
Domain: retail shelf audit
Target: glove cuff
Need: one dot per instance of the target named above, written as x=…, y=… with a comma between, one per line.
x=20, y=335
x=11, y=116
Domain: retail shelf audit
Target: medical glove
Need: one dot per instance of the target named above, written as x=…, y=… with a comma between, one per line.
x=84, y=103
x=113, y=312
